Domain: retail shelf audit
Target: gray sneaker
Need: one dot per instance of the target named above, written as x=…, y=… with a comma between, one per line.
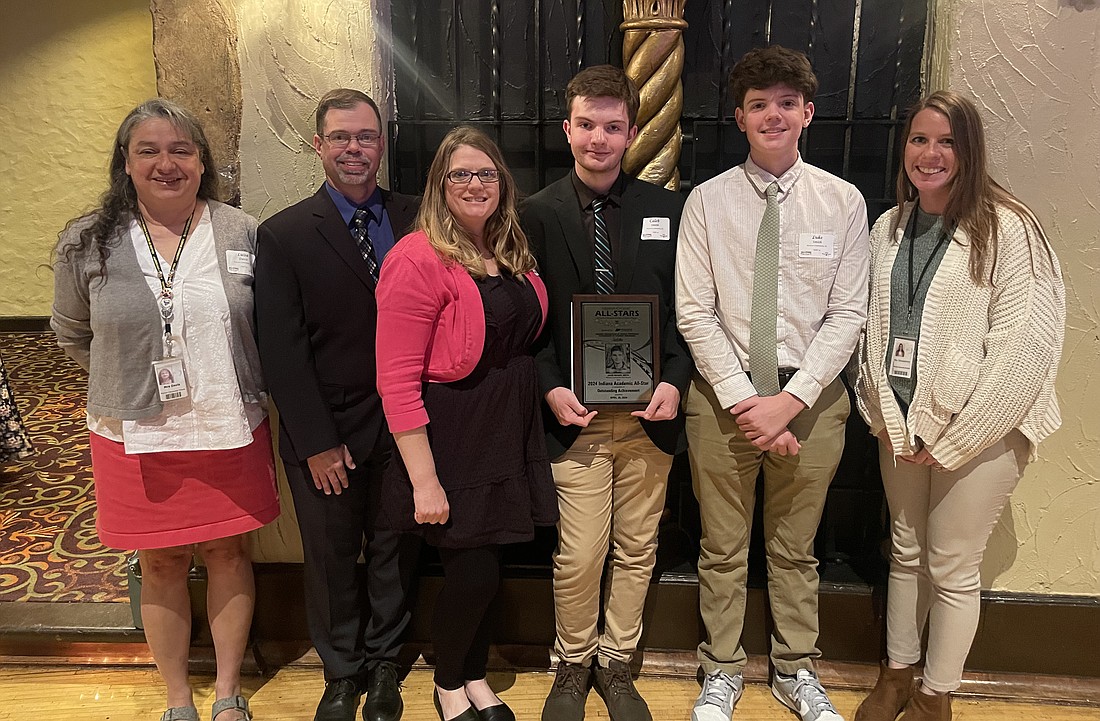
x=718, y=696
x=803, y=694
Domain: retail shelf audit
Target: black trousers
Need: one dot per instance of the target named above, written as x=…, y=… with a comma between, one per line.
x=460, y=629
x=352, y=625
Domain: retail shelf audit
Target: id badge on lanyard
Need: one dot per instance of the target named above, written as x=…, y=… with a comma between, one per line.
x=169, y=372
x=171, y=379
x=903, y=355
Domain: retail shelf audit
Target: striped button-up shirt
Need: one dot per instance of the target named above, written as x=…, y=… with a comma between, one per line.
x=823, y=265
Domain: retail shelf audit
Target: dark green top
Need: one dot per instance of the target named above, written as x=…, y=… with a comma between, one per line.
x=922, y=234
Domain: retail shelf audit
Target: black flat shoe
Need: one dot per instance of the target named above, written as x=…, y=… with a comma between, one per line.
x=469, y=714
x=499, y=712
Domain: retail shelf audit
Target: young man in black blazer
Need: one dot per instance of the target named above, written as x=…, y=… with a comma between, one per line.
x=316, y=270
x=610, y=467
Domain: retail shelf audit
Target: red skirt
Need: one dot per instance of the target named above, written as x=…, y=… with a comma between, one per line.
x=176, y=498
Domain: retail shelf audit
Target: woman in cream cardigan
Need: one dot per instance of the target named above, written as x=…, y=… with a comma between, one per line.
x=956, y=379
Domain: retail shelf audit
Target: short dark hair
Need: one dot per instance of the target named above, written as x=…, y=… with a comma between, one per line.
x=604, y=81
x=344, y=99
x=762, y=68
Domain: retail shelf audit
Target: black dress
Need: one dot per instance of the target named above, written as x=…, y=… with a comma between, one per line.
x=14, y=442
x=486, y=435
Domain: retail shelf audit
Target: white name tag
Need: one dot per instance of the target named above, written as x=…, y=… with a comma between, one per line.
x=816, y=245
x=902, y=356
x=239, y=262
x=656, y=229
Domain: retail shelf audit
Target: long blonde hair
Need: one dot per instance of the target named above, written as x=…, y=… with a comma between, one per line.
x=973, y=197
x=504, y=237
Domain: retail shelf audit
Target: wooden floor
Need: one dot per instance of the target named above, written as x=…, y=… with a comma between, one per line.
x=84, y=693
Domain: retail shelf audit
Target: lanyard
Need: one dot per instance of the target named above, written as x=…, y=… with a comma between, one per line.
x=166, y=310
x=910, y=232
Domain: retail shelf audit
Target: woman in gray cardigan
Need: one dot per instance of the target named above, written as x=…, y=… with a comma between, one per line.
x=153, y=297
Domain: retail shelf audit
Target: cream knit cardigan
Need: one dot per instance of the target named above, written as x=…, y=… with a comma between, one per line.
x=988, y=355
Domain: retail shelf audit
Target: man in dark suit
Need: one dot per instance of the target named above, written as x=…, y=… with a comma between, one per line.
x=316, y=269
x=600, y=230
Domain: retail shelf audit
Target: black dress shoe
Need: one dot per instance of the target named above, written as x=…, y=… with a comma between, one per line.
x=383, y=694
x=499, y=712
x=340, y=700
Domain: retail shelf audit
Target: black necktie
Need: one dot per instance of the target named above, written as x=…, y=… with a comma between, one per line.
x=366, y=247
x=605, y=273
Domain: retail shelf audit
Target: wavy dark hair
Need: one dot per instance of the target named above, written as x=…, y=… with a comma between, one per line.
x=118, y=205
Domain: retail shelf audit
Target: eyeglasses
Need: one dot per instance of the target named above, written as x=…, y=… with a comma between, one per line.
x=463, y=177
x=341, y=139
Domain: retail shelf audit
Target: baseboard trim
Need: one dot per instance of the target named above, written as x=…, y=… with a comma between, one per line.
x=24, y=323
x=852, y=622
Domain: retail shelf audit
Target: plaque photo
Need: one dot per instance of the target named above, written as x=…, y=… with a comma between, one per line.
x=616, y=350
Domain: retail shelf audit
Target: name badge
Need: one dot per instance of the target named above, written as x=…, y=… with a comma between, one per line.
x=171, y=380
x=816, y=245
x=902, y=356
x=239, y=262
x=656, y=229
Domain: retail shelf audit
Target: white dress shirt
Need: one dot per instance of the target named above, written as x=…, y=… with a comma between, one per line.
x=823, y=266
x=214, y=416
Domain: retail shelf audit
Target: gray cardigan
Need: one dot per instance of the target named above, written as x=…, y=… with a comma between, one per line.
x=108, y=325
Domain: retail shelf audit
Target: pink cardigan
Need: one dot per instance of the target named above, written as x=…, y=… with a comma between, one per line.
x=431, y=327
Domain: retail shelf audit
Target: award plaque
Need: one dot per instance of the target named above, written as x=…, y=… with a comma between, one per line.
x=616, y=350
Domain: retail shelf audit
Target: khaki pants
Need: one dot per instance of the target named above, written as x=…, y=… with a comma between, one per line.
x=611, y=493
x=724, y=468
x=940, y=522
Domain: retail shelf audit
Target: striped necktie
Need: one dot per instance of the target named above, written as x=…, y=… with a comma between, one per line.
x=763, y=361
x=605, y=273
x=366, y=247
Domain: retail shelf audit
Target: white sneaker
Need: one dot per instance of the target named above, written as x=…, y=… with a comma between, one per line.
x=718, y=697
x=803, y=694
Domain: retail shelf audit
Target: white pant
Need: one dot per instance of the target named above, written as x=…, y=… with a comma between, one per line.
x=940, y=523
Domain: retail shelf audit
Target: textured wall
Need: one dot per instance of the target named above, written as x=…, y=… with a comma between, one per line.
x=69, y=71
x=1034, y=70
x=292, y=53
x=195, y=47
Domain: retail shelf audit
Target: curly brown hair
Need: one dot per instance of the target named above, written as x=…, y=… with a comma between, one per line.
x=762, y=68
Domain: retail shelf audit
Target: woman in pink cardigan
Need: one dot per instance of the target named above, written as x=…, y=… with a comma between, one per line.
x=459, y=304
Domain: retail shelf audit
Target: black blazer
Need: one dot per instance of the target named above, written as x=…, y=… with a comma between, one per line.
x=555, y=228
x=315, y=323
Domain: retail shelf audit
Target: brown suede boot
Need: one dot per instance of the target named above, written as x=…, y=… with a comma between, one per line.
x=889, y=696
x=926, y=707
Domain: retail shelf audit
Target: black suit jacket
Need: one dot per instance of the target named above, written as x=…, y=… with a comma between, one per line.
x=555, y=227
x=315, y=323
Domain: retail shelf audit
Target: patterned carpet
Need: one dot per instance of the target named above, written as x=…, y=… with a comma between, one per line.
x=48, y=545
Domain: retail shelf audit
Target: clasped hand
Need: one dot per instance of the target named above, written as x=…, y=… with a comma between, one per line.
x=764, y=419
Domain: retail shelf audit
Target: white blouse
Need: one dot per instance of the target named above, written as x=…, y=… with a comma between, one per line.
x=214, y=416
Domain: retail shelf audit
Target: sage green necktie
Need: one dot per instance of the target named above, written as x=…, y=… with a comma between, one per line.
x=763, y=361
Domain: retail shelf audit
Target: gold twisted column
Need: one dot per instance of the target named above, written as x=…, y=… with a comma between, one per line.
x=653, y=53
